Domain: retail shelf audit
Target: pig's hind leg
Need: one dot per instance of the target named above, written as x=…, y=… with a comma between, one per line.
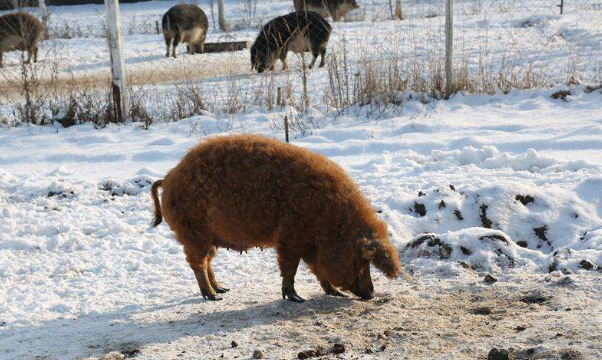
x=283, y=60
x=212, y=280
x=198, y=254
x=176, y=41
x=322, y=55
x=168, y=40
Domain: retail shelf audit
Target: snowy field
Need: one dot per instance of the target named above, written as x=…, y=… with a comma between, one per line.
x=523, y=43
x=506, y=185
x=81, y=267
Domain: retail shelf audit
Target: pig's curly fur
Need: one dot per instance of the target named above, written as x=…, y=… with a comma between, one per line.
x=20, y=31
x=244, y=191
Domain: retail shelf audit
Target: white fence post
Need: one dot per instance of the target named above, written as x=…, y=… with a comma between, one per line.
x=221, y=14
x=118, y=85
x=449, y=47
x=43, y=9
x=45, y=16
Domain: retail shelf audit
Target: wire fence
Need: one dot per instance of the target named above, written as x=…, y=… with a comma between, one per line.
x=533, y=35
x=377, y=51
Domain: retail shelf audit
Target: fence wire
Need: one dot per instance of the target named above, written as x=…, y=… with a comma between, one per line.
x=498, y=44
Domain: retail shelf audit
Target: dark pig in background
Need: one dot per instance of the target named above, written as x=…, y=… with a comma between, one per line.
x=185, y=23
x=299, y=32
x=335, y=8
x=20, y=31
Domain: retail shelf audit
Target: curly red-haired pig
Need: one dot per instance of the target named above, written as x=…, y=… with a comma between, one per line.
x=243, y=191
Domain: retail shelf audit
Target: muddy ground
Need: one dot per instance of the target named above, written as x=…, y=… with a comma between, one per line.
x=459, y=317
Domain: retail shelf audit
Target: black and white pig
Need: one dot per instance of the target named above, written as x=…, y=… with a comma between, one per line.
x=185, y=23
x=299, y=32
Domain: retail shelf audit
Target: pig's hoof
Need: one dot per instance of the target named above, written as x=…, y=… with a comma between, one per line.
x=295, y=298
x=221, y=290
x=209, y=296
x=292, y=296
x=212, y=297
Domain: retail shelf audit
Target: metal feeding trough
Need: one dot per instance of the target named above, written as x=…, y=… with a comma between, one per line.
x=223, y=47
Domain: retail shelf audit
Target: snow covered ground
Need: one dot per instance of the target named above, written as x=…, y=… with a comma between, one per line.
x=508, y=185
x=81, y=267
x=526, y=42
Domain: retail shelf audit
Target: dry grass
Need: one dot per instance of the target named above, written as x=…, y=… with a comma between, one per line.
x=360, y=79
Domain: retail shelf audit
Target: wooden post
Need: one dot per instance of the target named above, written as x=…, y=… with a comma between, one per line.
x=43, y=9
x=304, y=79
x=279, y=97
x=398, y=11
x=212, y=14
x=221, y=10
x=45, y=16
x=118, y=84
x=561, y=6
x=286, y=128
x=449, y=47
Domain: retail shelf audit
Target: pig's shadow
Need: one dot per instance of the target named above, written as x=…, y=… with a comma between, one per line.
x=129, y=329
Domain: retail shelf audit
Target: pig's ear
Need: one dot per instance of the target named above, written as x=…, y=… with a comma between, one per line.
x=383, y=255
